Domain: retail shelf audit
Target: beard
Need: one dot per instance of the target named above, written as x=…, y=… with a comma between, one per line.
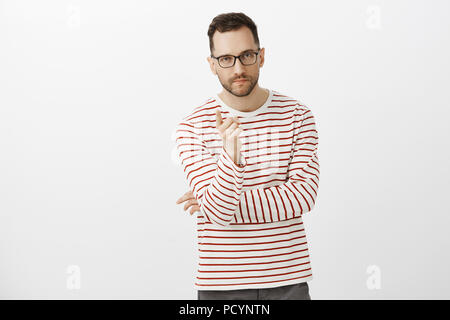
x=240, y=90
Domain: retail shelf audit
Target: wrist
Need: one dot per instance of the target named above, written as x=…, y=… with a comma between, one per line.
x=237, y=159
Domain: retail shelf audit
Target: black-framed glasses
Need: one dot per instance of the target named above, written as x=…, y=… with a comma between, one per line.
x=247, y=59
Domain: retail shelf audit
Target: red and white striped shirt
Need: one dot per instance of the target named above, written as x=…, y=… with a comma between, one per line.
x=250, y=229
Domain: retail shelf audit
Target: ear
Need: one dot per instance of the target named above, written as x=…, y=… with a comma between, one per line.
x=212, y=65
x=261, y=56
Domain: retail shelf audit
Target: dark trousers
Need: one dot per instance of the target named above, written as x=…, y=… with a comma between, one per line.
x=298, y=291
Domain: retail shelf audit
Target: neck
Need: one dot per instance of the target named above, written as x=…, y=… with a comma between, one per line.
x=249, y=103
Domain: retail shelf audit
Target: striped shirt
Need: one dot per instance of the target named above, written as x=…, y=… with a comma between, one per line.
x=249, y=227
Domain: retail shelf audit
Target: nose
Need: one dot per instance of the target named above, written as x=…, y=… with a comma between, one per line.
x=238, y=67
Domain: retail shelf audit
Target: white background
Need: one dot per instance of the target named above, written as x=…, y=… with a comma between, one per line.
x=90, y=93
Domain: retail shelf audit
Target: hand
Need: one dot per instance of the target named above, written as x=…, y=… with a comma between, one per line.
x=229, y=131
x=191, y=201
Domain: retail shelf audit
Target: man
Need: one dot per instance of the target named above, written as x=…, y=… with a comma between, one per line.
x=249, y=155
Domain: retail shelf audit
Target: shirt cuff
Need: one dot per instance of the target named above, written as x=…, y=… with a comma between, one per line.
x=240, y=167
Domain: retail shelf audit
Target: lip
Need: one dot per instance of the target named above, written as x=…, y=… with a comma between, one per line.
x=243, y=80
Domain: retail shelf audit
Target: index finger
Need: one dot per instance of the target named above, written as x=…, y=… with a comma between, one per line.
x=218, y=118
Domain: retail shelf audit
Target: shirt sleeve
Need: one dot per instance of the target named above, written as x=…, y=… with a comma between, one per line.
x=297, y=195
x=215, y=183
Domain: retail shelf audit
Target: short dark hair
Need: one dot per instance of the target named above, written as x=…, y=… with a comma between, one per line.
x=231, y=21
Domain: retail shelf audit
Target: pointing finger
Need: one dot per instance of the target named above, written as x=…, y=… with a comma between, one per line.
x=218, y=118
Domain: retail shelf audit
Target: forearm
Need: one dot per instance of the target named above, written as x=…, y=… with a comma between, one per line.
x=277, y=203
x=219, y=199
x=284, y=201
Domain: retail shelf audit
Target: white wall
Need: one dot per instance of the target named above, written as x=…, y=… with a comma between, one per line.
x=90, y=92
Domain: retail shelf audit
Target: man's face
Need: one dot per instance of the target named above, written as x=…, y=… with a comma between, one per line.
x=236, y=42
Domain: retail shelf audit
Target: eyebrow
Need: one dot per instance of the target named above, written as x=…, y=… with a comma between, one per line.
x=229, y=54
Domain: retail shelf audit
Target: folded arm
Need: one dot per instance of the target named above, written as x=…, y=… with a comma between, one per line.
x=297, y=195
